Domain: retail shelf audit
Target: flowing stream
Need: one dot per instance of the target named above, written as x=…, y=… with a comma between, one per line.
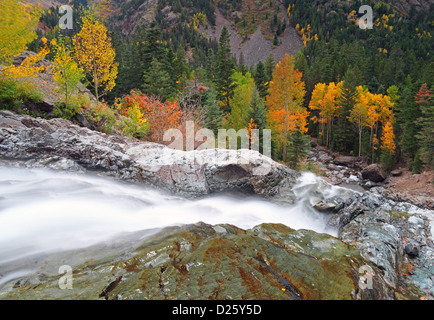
x=43, y=211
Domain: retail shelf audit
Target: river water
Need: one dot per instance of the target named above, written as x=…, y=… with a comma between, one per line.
x=43, y=211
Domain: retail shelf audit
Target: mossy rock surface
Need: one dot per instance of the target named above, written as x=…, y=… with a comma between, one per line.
x=200, y=261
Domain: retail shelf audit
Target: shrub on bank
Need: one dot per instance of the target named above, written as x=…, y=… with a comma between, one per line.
x=14, y=93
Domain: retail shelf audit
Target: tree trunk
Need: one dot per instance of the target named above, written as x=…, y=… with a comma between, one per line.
x=360, y=139
x=66, y=95
x=95, y=80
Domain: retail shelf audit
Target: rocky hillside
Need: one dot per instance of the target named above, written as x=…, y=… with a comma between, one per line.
x=253, y=24
x=256, y=47
x=258, y=28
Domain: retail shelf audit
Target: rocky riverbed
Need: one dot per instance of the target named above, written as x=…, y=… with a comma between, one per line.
x=354, y=172
x=381, y=249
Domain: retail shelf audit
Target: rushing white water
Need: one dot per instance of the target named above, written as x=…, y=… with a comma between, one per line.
x=43, y=211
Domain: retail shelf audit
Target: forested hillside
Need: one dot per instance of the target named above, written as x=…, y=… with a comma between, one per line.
x=359, y=92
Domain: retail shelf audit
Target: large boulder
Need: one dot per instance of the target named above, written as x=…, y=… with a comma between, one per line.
x=36, y=142
x=347, y=161
x=395, y=236
x=374, y=173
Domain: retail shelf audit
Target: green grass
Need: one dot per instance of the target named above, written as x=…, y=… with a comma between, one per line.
x=13, y=93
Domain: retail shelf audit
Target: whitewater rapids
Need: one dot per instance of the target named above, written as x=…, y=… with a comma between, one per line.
x=43, y=211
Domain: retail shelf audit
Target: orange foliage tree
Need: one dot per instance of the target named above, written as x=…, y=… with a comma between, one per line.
x=388, y=138
x=285, y=110
x=160, y=116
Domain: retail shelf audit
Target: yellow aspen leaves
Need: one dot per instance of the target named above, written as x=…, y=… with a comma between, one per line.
x=18, y=22
x=28, y=68
x=66, y=72
x=199, y=18
x=96, y=55
x=324, y=98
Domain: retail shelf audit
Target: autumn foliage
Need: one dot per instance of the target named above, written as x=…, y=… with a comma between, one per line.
x=160, y=116
x=96, y=55
x=286, y=114
x=18, y=22
x=324, y=98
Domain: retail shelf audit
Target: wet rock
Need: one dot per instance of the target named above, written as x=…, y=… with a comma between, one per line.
x=269, y=261
x=324, y=156
x=374, y=173
x=396, y=237
x=411, y=250
x=325, y=206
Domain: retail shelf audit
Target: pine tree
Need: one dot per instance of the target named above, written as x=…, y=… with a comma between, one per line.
x=261, y=79
x=269, y=65
x=297, y=150
x=153, y=47
x=224, y=69
x=344, y=135
x=214, y=115
x=242, y=64
x=210, y=66
x=408, y=113
x=257, y=115
x=257, y=110
x=157, y=81
x=426, y=134
x=373, y=85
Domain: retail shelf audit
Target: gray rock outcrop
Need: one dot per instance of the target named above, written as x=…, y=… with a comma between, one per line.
x=59, y=144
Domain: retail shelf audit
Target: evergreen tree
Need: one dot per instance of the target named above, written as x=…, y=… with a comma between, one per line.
x=270, y=63
x=373, y=85
x=224, y=69
x=214, y=115
x=210, y=66
x=426, y=134
x=344, y=135
x=261, y=79
x=242, y=64
x=257, y=115
x=297, y=149
x=408, y=113
x=153, y=47
x=157, y=81
x=257, y=110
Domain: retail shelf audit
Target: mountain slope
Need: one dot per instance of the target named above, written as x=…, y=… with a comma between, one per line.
x=256, y=48
x=257, y=29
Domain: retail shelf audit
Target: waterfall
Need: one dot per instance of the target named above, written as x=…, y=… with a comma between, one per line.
x=43, y=211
